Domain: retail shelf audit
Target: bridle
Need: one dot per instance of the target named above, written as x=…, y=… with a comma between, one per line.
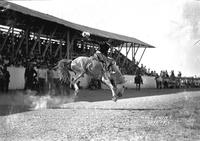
x=110, y=65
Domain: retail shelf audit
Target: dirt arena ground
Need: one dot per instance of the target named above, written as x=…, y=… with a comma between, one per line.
x=146, y=115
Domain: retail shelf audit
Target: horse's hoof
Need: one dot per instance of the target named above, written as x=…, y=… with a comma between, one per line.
x=119, y=94
x=75, y=96
x=114, y=99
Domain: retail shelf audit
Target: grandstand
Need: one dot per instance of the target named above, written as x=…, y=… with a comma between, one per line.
x=27, y=35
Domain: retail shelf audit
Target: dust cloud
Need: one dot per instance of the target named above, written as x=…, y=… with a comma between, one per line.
x=33, y=101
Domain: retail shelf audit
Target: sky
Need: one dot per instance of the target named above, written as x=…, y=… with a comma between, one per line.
x=172, y=26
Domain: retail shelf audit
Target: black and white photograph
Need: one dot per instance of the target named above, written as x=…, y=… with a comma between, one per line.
x=99, y=70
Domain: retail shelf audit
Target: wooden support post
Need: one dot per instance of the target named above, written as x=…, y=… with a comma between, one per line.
x=60, y=45
x=4, y=42
x=119, y=50
x=70, y=45
x=47, y=46
x=37, y=40
x=58, y=48
x=136, y=50
x=39, y=46
x=13, y=43
x=127, y=51
x=50, y=48
x=133, y=54
x=61, y=53
x=20, y=43
x=27, y=42
x=142, y=55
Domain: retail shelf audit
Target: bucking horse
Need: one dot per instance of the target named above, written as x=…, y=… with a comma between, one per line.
x=107, y=72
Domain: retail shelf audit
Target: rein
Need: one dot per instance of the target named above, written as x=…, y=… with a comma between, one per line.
x=109, y=66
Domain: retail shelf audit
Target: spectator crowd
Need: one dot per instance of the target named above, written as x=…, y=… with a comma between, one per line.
x=39, y=73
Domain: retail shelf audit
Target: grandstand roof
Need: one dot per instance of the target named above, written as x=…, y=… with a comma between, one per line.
x=4, y=5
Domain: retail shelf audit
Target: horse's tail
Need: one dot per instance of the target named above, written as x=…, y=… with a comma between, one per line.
x=63, y=68
x=66, y=64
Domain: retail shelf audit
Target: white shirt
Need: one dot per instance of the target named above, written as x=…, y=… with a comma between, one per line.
x=55, y=74
x=42, y=73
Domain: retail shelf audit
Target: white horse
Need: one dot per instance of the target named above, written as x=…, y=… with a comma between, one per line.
x=93, y=67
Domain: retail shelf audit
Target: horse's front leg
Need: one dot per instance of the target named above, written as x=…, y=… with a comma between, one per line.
x=112, y=88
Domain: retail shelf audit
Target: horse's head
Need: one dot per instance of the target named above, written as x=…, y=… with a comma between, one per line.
x=114, y=71
x=120, y=90
x=116, y=76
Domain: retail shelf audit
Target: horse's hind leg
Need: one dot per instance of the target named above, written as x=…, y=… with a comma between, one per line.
x=74, y=82
x=76, y=89
x=112, y=88
x=79, y=76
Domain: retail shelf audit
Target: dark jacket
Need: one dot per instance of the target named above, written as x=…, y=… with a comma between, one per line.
x=104, y=47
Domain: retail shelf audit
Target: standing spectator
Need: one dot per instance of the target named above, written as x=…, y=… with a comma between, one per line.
x=166, y=74
x=42, y=75
x=138, y=80
x=179, y=80
x=179, y=74
x=149, y=71
x=30, y=76
x=50, y=76
x=6, y=79
x=158, y=81
x=172, y=76
x=161, y=74
x=1, y=79
x=56, y=81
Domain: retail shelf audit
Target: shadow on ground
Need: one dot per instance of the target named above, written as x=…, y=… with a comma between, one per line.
x=13, y=109
x=23, y=101
x=18, y=102
x=104, y=95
